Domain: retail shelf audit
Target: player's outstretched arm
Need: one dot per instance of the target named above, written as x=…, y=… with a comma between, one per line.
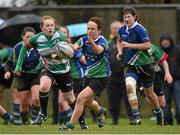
x=20, y=60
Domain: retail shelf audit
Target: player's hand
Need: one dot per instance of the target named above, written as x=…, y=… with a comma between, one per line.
x=7, y=75
x=168, y=78
x=119, y=56
x=90, y=40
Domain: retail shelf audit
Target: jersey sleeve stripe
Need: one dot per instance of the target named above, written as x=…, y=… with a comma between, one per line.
x=27, y=44
x=164, y=57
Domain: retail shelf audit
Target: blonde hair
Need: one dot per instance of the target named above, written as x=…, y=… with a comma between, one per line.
x=46, y=17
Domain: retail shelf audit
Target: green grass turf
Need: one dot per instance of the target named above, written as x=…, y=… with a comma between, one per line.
x=147, y=127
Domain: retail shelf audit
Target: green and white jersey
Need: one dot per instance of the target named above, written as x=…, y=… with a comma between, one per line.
x=41, y=41
x=157, y=55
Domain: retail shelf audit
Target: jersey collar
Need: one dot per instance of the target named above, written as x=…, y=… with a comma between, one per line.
x=135, y=23
x=97, y=38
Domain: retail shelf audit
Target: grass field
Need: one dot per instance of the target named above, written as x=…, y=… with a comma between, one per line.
x=147, y=127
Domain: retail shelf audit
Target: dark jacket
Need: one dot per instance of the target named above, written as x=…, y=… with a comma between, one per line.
x=115, y=66
x=173, y=57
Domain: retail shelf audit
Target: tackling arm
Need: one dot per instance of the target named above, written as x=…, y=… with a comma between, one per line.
x=21, y=58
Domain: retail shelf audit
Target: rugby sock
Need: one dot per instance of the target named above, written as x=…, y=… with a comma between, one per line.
x=24, y=117
x=159, y=116
x=34, y=112
x=135, y=112
x=16, y=114
x=68, y=114
x=44, y=102
x=157, y=111
x=81, y=118
x=61, y=117
x=100, y=112
x=65, y=116
x=6, y=116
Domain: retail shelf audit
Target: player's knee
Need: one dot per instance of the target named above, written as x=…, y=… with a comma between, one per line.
x=162, y=104
x=44, y=88
x=69, y=97
x=130, y=85
x=88, y=102
x=69, y=100
x=131, y=88
x=80, y=99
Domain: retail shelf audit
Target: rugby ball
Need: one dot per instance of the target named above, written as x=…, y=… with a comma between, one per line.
x=64, y=50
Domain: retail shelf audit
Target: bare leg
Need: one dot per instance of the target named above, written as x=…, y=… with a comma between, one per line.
x=152, y=97
x=85, y=98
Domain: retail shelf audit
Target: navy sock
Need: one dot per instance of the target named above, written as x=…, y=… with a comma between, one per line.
x=6, y=117
x=68, y=113
x=24, y=117
x=61, y=117
x=135, y=113
x=158, y=111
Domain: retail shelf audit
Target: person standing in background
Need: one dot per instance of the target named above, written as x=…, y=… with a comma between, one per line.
x=172, y=90
x=116, y=90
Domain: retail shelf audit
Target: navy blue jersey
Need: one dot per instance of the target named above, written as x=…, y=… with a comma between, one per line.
x=31, y=60
x=136, y=34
